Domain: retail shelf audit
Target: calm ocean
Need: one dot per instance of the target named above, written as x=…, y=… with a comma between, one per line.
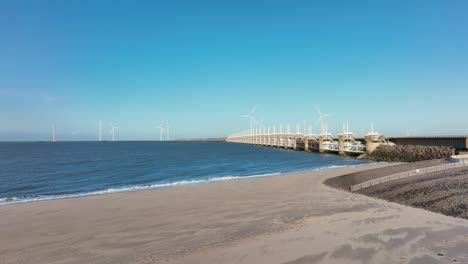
x=42, y=171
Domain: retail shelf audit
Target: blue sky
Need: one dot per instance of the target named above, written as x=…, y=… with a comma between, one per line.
x=202, y=64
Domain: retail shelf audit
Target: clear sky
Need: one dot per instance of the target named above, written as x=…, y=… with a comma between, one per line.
x=202, y=64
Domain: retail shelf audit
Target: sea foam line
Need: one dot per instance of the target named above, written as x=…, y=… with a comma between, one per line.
x=16, y=200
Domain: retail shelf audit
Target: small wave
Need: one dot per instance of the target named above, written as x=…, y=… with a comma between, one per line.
x=15, y=200
x=8, y=199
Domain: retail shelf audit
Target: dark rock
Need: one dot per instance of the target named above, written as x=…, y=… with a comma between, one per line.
x=410, y=153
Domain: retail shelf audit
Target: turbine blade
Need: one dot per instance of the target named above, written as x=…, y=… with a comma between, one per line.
x=253, y=110
x=318, y=110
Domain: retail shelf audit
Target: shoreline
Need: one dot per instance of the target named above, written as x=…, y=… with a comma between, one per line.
x=185, y=183
x=259, y=220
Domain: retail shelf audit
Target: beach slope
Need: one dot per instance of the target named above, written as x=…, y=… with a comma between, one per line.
x=283, y=219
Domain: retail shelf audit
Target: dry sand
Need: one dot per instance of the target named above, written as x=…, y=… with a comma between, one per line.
x=285, y=219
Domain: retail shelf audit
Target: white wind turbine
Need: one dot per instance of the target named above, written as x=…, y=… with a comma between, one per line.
x=100, y=131
x=161, y=130
x=251, y=116
x=323, y=121
x=112, y=131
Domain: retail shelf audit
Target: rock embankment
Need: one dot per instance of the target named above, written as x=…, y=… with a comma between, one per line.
x=444, y=192
x=410, y=153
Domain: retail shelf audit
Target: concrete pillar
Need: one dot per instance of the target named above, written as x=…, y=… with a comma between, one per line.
x=294, y=143
x=466, y=142
x=306, y=144
x=321, y=137
x=286, y=137
x=341, y=139
x=372, y=143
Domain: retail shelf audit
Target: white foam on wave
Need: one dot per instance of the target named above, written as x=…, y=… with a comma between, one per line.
x=15, y=200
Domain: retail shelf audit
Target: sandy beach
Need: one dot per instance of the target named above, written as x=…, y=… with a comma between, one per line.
x=283, y=219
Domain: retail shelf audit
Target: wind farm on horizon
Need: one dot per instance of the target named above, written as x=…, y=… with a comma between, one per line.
x=163, y=131
x=256, y=126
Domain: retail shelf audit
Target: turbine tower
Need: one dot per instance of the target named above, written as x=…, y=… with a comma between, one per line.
x=323, y=121
x=161, y=130
x=112, y=131
x=251, y=116
x=100, y=131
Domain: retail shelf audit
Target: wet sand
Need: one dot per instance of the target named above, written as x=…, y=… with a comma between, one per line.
x=283, y=219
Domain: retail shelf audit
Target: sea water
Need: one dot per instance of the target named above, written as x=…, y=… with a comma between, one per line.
x=34, y=171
